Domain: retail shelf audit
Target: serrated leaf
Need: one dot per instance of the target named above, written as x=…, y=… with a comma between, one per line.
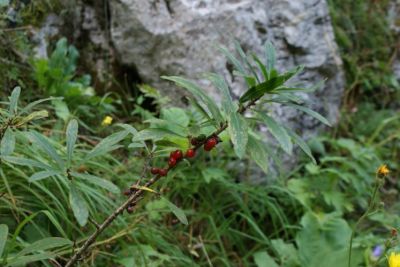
x=45, y=244
x=107, y=144
x=7, y=144
x=197, y=92
x=303, y=145
x=42, y=175
x=310, y=112
x=72, y=135
x=97, y=181
x=78, y=205
x=14, y=101
x=262, y=259
x=3, y=237
x=179, y=213
x=227, y=102
x=238, y=133
x=278, y=132
x=46, y=146
x=258, y=153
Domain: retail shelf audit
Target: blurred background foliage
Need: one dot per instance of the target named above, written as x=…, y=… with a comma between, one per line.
x=299, y=218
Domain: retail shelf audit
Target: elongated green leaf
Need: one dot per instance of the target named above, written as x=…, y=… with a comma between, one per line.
x=32, y=116
x=278, y=132
x=235, y=62
x=22, y=261
x=197, y=92
x=261, y=66
x=61, y=108
x=154, y=134
x=303, y=145
x=78, y=205
x=45, y=244
x=270, y=55
x=227, y=102
x=3, y=237
x=258, y=153
x=179, y=213
x=14, y=101
x=107, y=144
x=244, y=57
x=72, y=134
x=26, y=162
x=37, y=102
x=45, y=145
x=238, y=133
x=42, y=175
x=97, y=181
x=262, y=259
x=311, y=113
x=7, y=144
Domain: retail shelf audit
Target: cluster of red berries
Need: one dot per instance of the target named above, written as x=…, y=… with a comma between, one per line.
x=176, y=156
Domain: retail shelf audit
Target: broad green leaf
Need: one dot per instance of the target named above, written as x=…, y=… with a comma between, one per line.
x=175, y=115
x=177, y=212
x=22, y=261
x=72, y=134
x=97, y=181
x=32, y=116
x=258, y=153
x=3, y=237
x=42, y=175
x=278, y=132
x=14, y=101
x=270, y=55
x=26, y=162
x=78, y=205
x=310, y=112
x=227, y=102
x=43, y=143
x=303, y=145
x=238, y=133
x=61, y=108
x=262, y=259
x=45, y=244
x=154, y=134
x=199, y=94
x=107, y=144
x=7, y=144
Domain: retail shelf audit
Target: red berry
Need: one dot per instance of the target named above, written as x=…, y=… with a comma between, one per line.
x=127, y=192
x=210, y=143
x=177, y=155
x=154, y=170
x=190, y=153
x=172, y=162
x=130, y=209
x=163, y=172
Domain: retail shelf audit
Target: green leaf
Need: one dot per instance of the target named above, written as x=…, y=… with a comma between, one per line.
x=37, y=102
x=236, y=63
x=78, y=205
x=199, y=94
x=270, y=55
x=176, y=115
x=26, y=162
x=45, y=145
x=243, y=55
x=258, y=153
x=261, y=66
x=153, y=134
x=107, y=144
x=310, y=112
x=42, y=175
x=278, y=132
x=97, y=181
x=262, y=259
x=32, y=116
x=22, y=261
x=3, y=237
x=7, y=144
x=177, y=212
x=303, y=145
x=45, y=244
x=14, y=101
x=219, y=82
x=61, y=108
x=238, y=133
x=72, y=134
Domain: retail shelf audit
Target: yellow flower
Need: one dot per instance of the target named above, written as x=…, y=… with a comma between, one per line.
x=383, y=170
x=107, y=121
x=394, y=260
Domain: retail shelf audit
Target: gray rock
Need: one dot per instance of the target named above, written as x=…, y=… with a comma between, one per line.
x=179, y=37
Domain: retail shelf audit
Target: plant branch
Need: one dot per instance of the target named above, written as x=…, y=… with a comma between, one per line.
x=135, y=197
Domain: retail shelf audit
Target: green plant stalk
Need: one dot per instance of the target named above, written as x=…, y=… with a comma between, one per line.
x=365, y=214
x=136, y=196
